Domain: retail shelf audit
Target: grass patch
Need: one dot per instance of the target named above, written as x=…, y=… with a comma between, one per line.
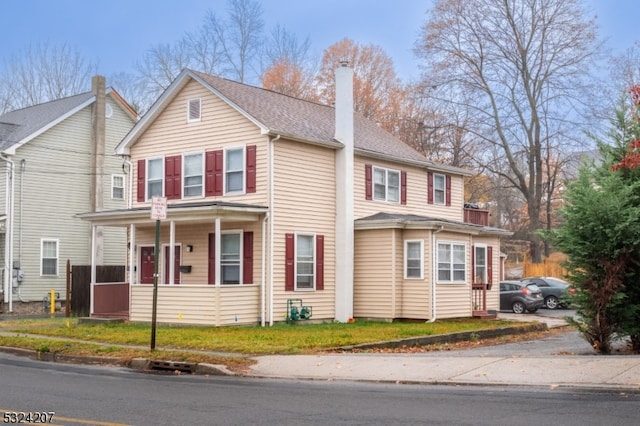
x=279, y=339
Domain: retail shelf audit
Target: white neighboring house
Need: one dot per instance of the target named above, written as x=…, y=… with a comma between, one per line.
x=56, y=158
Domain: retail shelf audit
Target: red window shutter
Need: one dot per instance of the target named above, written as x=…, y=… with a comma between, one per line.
x=251, y=169
x=448, y=190
x=473, y=264
x=247, y=258
x=289, y=269
x=212, y=258
x=213, y=172
x=368, y=181
x=490, y=265
x=430, y=187
x=173, y=177
x=403, y=187
x=319, y=262
x=141, y=180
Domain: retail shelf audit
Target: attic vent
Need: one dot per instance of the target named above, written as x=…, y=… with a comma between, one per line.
x=194, y=110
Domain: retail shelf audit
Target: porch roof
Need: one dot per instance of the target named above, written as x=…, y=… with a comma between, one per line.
x=180, y=212
x=411, y=221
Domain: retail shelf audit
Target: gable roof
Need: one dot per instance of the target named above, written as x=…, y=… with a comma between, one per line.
x=291, y=118
x=20, y=126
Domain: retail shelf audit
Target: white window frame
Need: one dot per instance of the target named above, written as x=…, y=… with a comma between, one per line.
x=386, y=184
x=190, y=104
x=233, y=262
x=57, y=256
x=297, y=261
x=483, y=279
x=184, y=175
x=407, y=259
x=437, y=190
x=451, y=263
x=119, y=187
x=243, y=170
x=148, y=174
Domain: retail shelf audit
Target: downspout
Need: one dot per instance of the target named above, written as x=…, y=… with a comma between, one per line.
x=263, y=283
x=23, y=166
x=8, y=254
x=129, y=166
x=271, y=227
x=434, y=273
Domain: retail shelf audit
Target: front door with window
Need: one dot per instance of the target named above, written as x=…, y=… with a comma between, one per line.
x=147, y=264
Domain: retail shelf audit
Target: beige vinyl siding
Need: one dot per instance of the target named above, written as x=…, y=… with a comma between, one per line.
x=304, y=201
x=453, y=300
x=221, y=127
x=416, y=293
x=493, y=295
x=417, y=194
x=199, y=305
x=377, y=274
x=197, y=235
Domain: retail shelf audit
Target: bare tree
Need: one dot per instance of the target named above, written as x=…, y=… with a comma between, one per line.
x=42, y=73
x=523, y=67
x=239, y=37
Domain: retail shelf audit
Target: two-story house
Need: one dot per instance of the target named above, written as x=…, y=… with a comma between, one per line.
x=272, y=199
x=57, y=158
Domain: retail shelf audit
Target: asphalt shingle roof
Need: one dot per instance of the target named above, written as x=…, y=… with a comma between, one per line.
x=307, y=120
x=19, y=124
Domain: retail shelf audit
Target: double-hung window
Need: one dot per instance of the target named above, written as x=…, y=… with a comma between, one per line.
x=305, y=262
x=234, y=170
x=49, y=257
x=413, y=259
x=230, y=258
x=117, y=187
x=386, y=185
x=439, y=189
x=480, y=264
x=193, y=175
x=155, y=177
x=451, y=262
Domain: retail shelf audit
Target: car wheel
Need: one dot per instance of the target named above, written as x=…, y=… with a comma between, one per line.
x=518, y=307
x=551, y=302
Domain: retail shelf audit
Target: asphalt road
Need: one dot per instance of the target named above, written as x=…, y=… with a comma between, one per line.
x=83, y=395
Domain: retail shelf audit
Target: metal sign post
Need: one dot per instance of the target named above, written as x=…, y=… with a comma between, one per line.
x=158, y=212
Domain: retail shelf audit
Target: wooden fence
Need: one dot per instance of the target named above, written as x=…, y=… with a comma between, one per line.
x=81, y=285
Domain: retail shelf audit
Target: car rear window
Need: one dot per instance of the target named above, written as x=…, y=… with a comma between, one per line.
x=533, y=287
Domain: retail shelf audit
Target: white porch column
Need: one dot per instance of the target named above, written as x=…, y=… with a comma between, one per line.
x=172, y=252
x=93, y=253
x=132, y=254
x=218, y=249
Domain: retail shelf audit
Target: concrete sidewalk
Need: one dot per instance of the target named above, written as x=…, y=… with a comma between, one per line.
x=466, y=367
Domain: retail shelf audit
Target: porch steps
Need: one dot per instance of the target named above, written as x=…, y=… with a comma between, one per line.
x=485, y=315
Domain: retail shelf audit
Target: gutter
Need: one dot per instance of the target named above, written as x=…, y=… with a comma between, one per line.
x=8, y=250
x=271, y=227
x=434, y=274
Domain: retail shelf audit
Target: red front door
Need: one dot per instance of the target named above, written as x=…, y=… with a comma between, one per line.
x=147, y=264
x=176, y=274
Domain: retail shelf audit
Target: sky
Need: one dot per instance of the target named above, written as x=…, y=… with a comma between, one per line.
x=117, y=33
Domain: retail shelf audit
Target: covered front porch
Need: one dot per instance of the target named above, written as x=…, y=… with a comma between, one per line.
x=211, y=264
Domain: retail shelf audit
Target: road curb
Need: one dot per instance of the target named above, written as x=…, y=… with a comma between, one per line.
x=448, y=338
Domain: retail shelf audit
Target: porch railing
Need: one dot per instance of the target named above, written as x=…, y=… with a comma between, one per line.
x=476, y=216
x=110, y=300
